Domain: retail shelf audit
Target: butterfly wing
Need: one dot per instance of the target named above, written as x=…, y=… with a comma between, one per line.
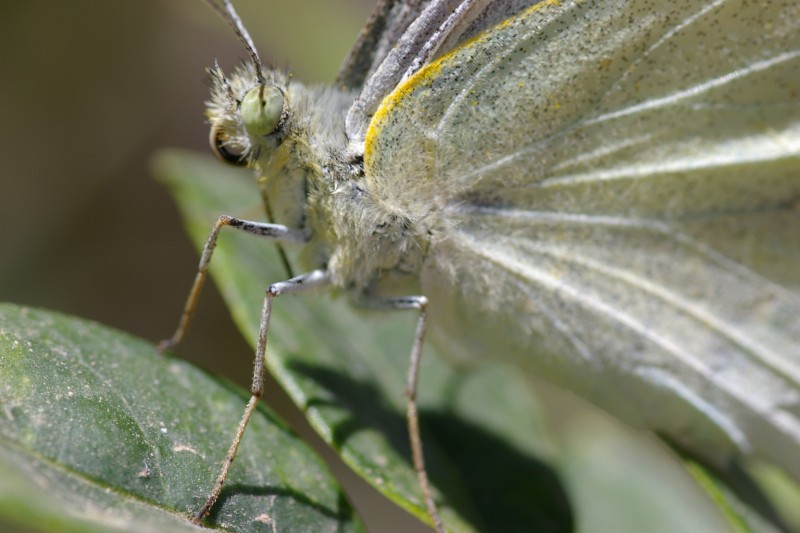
x=388, y=21
x=404, y=35
x=616, y=206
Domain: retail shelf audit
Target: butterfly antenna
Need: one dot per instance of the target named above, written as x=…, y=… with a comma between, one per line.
x=229, y=14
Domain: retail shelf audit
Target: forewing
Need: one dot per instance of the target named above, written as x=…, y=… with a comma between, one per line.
x=401, y=37
x=617, y=194
x=388, y=21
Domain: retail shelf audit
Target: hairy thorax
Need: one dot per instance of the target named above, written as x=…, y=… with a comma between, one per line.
x=313, y=182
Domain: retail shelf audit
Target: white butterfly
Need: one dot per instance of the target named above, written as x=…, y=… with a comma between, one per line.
x=605, y=193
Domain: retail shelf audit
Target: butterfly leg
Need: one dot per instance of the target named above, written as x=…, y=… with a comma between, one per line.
x=412, y=417
x=262, y=229
x=316, y=278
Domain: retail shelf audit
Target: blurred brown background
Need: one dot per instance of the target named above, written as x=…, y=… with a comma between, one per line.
x=91, y=89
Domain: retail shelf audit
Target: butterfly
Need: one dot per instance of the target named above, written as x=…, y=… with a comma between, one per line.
x=604, y=194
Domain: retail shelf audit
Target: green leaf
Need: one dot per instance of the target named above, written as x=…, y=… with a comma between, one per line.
x=499, y=464
x=99, y=432
x=346, y=370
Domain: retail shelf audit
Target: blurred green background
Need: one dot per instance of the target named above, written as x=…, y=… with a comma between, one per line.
x=91, y=90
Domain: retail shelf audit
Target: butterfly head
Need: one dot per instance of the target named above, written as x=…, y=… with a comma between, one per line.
x=248, y=113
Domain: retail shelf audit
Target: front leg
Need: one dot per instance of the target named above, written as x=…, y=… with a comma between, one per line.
x=276, y=232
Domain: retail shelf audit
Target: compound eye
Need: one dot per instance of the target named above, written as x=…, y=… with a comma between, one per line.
x=221, y=149
x=262, y=109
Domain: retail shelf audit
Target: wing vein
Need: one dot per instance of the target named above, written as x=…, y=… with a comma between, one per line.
x=727, y=331
x=697, y=89
x=532, y=276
